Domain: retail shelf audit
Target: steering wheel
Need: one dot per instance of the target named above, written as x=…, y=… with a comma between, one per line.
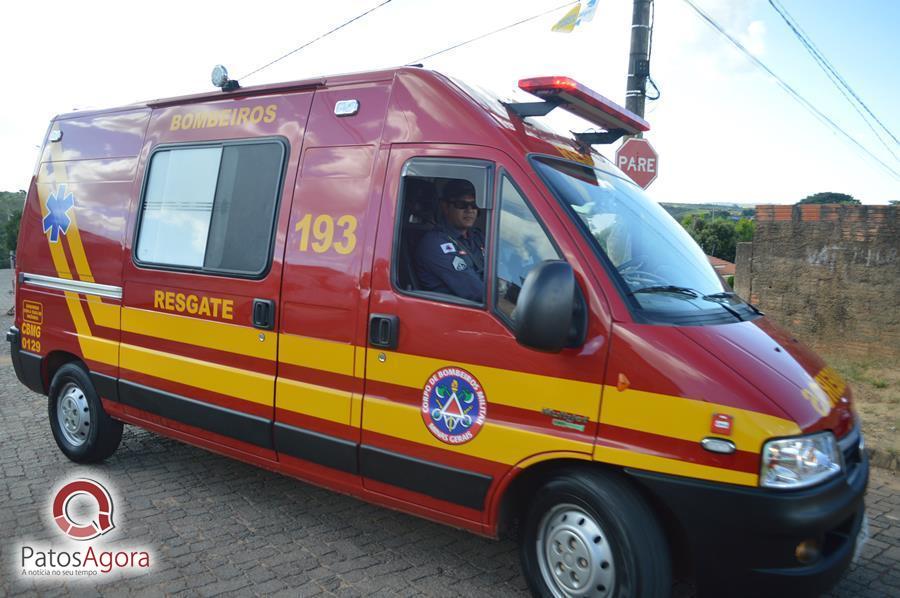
x=634, y=274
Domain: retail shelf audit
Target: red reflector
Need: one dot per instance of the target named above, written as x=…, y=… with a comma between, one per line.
x=721, y=424
x=585, y=102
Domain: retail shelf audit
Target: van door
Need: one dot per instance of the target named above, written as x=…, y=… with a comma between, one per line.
x=452, y=402
x=320, y=370
x=325, y=288
x=201, y=290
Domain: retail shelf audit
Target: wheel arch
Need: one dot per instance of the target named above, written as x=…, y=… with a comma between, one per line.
x=54, y=360
x=512, y=497
x=508, y=502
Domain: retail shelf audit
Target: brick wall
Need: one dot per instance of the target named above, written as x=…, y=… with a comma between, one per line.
x=829, y=273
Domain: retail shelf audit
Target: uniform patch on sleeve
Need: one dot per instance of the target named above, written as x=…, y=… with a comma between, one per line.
x=459, y=264
x=448, y=248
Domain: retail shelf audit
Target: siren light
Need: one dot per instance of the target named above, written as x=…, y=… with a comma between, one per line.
x=572, y=96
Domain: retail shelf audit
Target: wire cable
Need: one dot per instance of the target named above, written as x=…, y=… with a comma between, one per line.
x=480, y=37
x=831, y=68
x=833, y=75
x=309, y=43
x=650, y=54
x=790, y=90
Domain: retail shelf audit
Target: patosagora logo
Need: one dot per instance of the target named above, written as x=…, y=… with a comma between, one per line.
x=82, y=511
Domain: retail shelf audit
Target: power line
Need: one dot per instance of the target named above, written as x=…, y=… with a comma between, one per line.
x=833, y=75
x=323, y=36
x=475, y=39
x=790, y=90
x=825, y=64
x=650, y=54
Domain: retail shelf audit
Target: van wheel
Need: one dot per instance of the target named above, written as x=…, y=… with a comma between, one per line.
x=591, y=534
x=82, y=429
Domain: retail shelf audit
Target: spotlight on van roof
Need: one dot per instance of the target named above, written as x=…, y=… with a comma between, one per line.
x=220, y=79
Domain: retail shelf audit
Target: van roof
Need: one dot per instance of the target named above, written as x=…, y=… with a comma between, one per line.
x=492, y=117
x=252, y=90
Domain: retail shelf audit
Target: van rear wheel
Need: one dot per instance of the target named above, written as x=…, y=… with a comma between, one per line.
x=82, y=429
x=591, y=534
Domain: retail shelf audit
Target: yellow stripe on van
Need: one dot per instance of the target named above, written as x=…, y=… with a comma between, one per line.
x=241, y=340
x=320, y=354
x=95, y=349
x=215, y=377
x=73, y=236
x=504, y=387
x=688, y=419
x=104, y=314
x=310, y=399
x=673, y=466
x=495, y=442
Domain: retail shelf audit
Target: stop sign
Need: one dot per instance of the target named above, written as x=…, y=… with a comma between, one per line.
x=637, y=158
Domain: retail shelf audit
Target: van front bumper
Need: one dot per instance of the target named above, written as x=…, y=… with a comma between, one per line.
x=743, y=541
x=27, y=365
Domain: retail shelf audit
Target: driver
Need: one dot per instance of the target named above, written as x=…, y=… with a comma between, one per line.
x=450, y=258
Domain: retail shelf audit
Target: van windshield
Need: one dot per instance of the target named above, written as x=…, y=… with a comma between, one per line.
x=659, y=266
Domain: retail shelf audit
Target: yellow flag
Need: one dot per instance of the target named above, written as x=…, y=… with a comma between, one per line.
x=568, y=22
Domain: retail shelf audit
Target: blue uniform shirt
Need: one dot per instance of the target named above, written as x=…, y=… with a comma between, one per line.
x=450, y=263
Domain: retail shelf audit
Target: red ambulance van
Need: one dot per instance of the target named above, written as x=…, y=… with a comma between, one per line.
x=273, y=273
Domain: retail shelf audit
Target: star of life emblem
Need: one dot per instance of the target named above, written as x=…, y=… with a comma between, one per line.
x=453, y=405
x=57, y=219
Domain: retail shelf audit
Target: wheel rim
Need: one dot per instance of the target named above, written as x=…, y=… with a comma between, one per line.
x=574, y=553
x=74, y=415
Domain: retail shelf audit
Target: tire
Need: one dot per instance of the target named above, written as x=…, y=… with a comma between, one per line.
x=83, y=431
x=592, y=534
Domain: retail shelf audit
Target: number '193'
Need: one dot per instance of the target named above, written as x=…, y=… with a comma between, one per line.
x=323, y=230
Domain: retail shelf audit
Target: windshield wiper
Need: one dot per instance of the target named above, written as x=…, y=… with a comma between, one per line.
x=722, y=295
x=687, y=292
x=668, y=289
x=729, y=295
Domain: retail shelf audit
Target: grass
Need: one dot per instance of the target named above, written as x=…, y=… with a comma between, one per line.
x=876, y=393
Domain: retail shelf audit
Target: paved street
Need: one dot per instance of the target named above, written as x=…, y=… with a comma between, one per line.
x=221, y=527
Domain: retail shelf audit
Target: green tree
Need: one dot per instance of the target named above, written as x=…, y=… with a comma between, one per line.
x=11, y=232
x=743, y=230
x=11, y=204
x=693, y=223
x=830, y=197
x=718, y=238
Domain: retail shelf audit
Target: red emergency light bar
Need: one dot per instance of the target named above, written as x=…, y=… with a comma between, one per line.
x=582, y=101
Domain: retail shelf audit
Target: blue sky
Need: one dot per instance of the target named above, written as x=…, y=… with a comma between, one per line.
x=724, y=130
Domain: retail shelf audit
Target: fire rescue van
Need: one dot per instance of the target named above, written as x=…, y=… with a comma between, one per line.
x=272, y=273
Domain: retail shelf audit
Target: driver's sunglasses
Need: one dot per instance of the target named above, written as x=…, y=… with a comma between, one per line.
x=460, y=204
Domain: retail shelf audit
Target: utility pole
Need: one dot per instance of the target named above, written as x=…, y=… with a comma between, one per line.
x=639, y=59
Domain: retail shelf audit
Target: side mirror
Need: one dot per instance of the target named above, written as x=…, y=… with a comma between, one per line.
x=546, y=309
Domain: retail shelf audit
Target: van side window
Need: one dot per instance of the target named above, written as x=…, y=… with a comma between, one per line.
x=443, y=214
x=211, y=208
x=523, y=245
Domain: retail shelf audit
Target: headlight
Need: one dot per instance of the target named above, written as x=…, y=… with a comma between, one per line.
x=799, y=462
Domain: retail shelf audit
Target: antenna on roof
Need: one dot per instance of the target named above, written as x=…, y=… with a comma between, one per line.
x=220, y=79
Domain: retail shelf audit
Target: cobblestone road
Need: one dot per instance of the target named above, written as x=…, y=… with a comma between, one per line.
x=218, y=526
